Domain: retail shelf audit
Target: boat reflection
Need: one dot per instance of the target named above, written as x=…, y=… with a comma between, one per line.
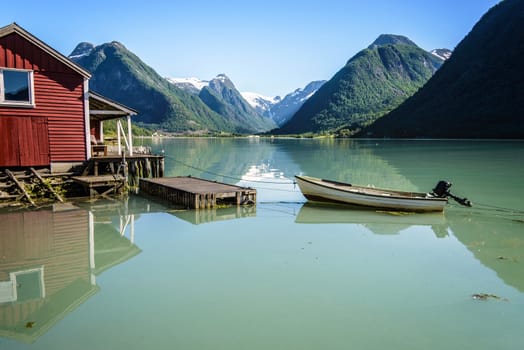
x=378, y=222
x=49, y=261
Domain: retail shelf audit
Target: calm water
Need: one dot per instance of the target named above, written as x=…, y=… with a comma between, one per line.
x=284, y=274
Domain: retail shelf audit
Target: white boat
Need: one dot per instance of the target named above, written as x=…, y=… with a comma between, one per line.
x=322, y=190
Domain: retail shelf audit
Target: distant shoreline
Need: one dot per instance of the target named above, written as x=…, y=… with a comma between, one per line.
x=299, y=137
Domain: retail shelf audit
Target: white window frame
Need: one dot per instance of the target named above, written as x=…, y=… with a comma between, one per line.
x=41, y=280
x=31, y=85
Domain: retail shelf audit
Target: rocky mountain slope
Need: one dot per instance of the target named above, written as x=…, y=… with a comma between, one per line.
x=222, y=97
x=478, y=92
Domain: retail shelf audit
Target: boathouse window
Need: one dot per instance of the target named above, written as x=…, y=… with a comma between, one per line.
x=16, y=87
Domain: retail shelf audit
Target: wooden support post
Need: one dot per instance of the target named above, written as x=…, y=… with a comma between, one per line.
x=154, y=168
x=132, y=173
x=148, y=168
x=88, y=168
x=129, y=136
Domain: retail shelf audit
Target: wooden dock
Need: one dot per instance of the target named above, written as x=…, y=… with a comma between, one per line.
x=101, y=185
x=195, y=193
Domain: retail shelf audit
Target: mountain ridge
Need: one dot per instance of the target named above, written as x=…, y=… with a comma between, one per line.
x=120, y=75
x=373, y=82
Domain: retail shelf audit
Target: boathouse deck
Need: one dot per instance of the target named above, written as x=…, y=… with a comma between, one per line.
x=140, y=165
x=195, y=193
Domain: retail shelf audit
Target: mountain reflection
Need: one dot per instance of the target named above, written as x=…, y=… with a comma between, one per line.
x=496, y=241
x=231, y=160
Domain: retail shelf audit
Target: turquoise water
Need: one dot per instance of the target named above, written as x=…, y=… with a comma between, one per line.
x=285, y=274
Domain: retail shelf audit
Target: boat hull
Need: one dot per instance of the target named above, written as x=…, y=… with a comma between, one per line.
x=315, y=189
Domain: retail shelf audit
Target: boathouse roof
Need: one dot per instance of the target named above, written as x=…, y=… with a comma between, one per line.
x=15, y=28
x=103, y=108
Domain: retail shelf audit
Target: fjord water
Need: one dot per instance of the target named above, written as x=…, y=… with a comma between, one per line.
x=135, y=274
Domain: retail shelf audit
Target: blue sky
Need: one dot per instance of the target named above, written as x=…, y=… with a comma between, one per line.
x=270, y=47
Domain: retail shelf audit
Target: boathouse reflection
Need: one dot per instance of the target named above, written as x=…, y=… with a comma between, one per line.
x=49, y=260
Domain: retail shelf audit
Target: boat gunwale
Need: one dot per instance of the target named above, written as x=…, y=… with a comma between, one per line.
x=419, y=196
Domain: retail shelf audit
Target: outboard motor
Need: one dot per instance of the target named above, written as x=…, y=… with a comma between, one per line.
x=441, y=190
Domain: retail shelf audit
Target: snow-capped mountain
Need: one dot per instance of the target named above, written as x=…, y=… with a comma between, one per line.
x=82, y=49
x=443, y=54
x=262, y=104
x=291, y=103
x=280, y=110
x=193, y=85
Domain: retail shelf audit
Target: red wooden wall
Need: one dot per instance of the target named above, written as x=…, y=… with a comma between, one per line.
x=58, y=96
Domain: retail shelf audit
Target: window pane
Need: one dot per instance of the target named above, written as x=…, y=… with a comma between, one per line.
x=28, y=285
x=16, y=85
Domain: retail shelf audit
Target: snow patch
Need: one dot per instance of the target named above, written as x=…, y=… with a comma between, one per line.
x=78, y=56
x=197, y=83
x=259, y=100
x=443, y=54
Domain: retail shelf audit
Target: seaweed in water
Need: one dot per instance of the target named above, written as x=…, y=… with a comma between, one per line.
x=486, y=296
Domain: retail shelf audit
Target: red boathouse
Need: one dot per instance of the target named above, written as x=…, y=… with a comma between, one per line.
x=45, y=116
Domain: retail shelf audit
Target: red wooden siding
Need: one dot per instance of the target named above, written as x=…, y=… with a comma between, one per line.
x=58, y=96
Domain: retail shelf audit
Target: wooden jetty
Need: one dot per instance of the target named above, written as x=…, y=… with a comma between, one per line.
x=195, y=193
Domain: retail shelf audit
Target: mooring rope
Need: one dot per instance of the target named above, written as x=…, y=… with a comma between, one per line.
x=477, y=206
x=505, y=210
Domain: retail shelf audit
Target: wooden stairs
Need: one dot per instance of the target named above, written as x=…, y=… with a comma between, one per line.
x=31, y=185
